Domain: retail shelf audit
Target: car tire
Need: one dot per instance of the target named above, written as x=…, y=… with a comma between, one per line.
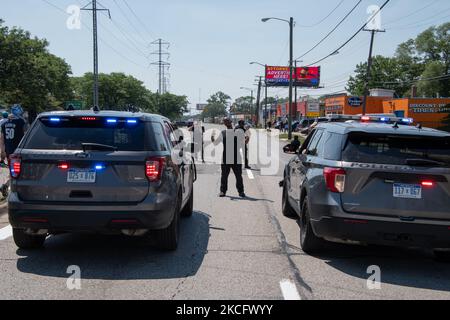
x=26, y=241
x=188, y=209
x=287, y=209
x=167, y=239
x=309, y=242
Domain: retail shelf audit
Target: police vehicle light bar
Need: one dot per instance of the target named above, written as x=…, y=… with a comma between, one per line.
x=368, y=118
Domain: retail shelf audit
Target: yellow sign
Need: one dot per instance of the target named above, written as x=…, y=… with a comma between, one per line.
x=313, y=114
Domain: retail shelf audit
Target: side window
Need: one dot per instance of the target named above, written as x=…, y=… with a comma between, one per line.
x=169, y=134
x=332, y=146
x=313, y=146
x=160, y=141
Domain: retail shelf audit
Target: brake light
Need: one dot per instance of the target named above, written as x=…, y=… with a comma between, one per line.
x=154, y=168
x=427, y=184
x=63, y=166
x=89, y=118
x=334, y=179
x=15, y=166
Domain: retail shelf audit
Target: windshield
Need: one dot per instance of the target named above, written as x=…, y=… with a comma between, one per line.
x=399, y=150
x=71, y=135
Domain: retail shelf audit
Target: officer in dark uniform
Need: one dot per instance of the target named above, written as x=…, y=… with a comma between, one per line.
x=232, y=142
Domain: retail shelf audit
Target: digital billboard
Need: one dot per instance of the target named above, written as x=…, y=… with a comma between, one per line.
x=308, y=77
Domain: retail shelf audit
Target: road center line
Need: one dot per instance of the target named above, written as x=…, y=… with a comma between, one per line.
x=250, y=175
x=289, y=290
x=5, y=233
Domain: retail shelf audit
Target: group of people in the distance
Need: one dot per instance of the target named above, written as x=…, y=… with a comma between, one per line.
x=12, y=129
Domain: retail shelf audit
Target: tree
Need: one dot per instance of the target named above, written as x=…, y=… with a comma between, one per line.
x=432, y=88
x=217, y=105
x=117, y=91
x=243, y=105
x=427, y=56
x=29, y=74
x=170, y=105
x=385, y=72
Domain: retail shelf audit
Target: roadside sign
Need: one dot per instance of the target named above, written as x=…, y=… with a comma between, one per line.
x=77, y=104
x=355, y=101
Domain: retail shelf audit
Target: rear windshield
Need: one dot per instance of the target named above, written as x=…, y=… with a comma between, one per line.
x=398, y=150
x=70, y=135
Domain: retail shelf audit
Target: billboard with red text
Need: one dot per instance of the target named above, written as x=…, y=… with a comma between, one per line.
x=308, y=77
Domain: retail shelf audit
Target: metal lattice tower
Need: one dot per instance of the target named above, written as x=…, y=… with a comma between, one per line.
x=163, y=64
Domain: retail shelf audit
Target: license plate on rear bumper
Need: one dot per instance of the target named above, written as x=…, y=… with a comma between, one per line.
x=407, y=191
x=81, y=176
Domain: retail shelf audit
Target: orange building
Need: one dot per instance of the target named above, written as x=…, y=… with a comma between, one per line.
x=344, y=104
x=426, y=111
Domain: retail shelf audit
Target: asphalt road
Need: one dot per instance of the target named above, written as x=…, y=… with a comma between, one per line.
x=231, y=248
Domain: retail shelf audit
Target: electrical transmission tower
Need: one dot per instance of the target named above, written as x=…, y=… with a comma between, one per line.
x=94, y=10
x=163, y=64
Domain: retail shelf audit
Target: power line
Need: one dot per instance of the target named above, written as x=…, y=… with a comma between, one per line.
x=352, y=37
x=99, y=37
x=331, y=32
x=316, y=24
x=138, y=32
x=413, y=13
x=138, y=19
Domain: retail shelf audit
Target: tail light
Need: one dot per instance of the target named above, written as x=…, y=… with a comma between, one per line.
x=154, y=168
x=335, y=179
x=15, y=166
x=427, y=184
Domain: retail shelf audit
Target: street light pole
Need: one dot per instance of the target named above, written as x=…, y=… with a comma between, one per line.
x=291, y=78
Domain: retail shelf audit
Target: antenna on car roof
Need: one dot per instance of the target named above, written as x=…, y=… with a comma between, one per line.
x=96, y=109
x=395, y=126
x=419, y=126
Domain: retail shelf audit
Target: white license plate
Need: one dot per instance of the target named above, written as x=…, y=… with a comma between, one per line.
x=407, y=191
x=81, y=176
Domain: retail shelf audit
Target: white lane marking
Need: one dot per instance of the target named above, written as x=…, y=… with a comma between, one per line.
x=250, y=175
x=289, y=290
x=5, y=233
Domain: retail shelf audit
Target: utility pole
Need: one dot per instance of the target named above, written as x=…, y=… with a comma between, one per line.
x=162, y=64
x=296, y=84
x=369, y=68
x=258, y=101
x=291, y=77
x=265, y=106
x=94, y=10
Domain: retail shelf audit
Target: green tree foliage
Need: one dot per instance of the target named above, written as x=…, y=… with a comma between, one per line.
x=217, y=105
x=118, y=91
x=427, y=56
x=29, y=74
x=170, y=105
x=243, y=105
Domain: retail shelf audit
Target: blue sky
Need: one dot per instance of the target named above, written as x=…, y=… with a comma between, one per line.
x=212, y=41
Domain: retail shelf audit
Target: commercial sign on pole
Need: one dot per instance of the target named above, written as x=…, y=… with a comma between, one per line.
x=308, y=77
x=313, y=110
x=201, y=106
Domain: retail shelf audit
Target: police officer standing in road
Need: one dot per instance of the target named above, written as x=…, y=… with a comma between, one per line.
x=233, y=141
x=246, y=130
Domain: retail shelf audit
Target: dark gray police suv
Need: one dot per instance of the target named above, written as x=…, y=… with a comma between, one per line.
x=102, y=172
x=371, y=183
